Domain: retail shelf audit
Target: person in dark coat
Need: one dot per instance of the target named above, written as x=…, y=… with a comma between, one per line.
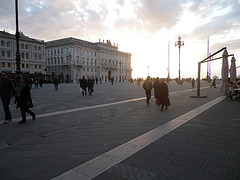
x=156, y=87
x=147, y=86
x=25, y=100
x=90, y=86
x=6, y=92
x=56, y=83
x=163, y=95
x=83, y=85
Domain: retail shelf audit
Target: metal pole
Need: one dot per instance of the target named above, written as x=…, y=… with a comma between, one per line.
x=168, y=61
x=179, y=65
x=198, y=82
x=18, y=57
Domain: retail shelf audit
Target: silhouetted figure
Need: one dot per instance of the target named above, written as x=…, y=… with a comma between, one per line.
x=163, y=95
x=83, y=85
x=156, y=87
x=213, y=83
x=90, y=84
x=56, y=83
x=147, y=86
x=41, y=82
x=25, y=100
x=6, y=92
x=193, y=82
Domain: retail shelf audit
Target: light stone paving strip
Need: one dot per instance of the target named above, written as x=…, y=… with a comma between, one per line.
x=105, y=161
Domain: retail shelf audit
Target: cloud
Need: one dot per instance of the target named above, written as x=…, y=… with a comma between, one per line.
x=224, y=16
x=157, y=14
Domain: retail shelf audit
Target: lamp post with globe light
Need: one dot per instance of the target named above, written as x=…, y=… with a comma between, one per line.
x=179, y=43
x=18, y=56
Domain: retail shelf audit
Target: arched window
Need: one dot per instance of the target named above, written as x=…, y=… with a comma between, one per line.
x=35, y=47
x=22, y=46
x=26, y=46
x=8, y=44
x=39, y=48
x=2, y=43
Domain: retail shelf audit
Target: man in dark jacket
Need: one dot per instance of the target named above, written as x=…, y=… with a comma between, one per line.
x=83, y=85
x=147, y=85
x=6, y=91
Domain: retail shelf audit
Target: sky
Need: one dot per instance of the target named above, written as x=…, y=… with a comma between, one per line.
x=143, y=28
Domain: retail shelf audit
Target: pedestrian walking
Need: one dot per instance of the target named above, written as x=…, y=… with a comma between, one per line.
x=147, y=86
x=36, y=83
x=6, y=92
x=193, y=82
x=83, y=85
x=24, y=101
x=90, y=85
x=41, y=82
x=112, y=79
x=213, y=83
x=163, y=95
x=56, y=83
x=156, y=87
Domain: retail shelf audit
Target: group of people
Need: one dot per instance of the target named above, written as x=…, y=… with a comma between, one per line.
x=23, y=98
x=87, y=83
x=161, y=92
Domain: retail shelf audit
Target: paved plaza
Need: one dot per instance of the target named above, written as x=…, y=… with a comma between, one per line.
x=115, y=135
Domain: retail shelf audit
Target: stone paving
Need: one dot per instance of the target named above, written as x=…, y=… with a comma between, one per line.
x=56, y=143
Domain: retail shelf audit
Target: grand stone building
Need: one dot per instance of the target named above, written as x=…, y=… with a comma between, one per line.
x=70, y=59
x=32, y=54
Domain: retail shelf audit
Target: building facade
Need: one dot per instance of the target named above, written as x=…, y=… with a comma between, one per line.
x=70, y=59
x=32, y=54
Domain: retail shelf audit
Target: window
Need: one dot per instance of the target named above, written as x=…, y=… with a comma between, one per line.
x=39, y=67
x=35, y=47
x=22, y=46
x=58, y=51
x=23, y=55
x=26, y=46
x=23, y=66
x=87, y=69
x=35, y=56
x=9, y=65
x=55, y=61
x=3, y=64
x=83, y=69
x=26, y=55
x=51, y=52
x=55, y=52
x=8, y=53
x=39, y=57
x=2, y=53
x=2, y=43
x=27, y=66
x=95, y=54
x=8, y=44
x=58, y=59
x=35, y=66
x=39, y=48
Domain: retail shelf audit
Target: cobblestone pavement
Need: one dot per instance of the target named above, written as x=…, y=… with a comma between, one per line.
x=71, y=129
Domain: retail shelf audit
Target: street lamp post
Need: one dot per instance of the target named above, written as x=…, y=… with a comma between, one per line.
x=179, y=43
x=18, y=57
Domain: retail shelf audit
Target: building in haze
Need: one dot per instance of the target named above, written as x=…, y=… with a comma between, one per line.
x=70, y=59
x=32, y=54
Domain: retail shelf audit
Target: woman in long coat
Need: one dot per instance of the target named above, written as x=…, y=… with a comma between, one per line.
x=163, y=94
x=25, y=100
